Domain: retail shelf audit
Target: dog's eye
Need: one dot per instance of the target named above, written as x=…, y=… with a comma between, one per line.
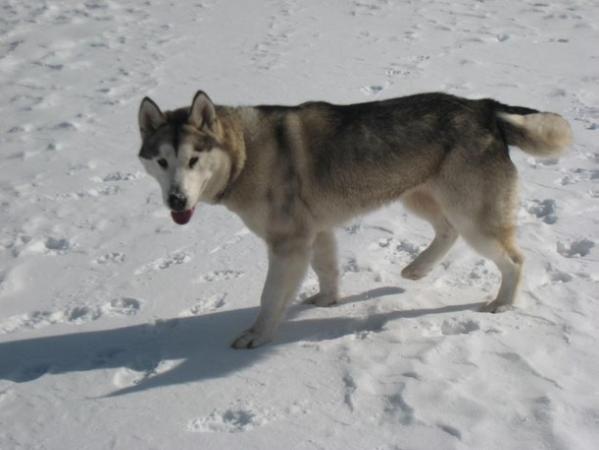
x=162, y=162
x=192, y=162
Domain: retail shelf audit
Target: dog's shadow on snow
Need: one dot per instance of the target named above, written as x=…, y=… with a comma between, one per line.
x=198, y=344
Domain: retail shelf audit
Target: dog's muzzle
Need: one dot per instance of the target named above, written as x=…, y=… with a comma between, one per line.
x=177, y=201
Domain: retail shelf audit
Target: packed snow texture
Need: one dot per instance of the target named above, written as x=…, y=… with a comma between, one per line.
x=115, y=323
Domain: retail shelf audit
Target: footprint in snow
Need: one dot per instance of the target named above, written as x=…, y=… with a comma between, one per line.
x=105, y=191
x=408, y=247
x=455, y=326
x=111, y=258
x=205, y=305
x=557, y=276
x=373, y=89
x=350, y=387
x=125, y=306
x=77, y=315
x=28, y=245
x=450, y=430
x=121, y=176
x=368, y=8
x=401, y=251
x=57, y=245
x=144, y=368
x=172, y=259
x=353, y=228
x=234, y=420
x=396, y=408
x=579, y=175
x=219, y=275
x=578, y=248
x=546, y=210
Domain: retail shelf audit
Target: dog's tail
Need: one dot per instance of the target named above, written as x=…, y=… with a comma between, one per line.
x=541, y=134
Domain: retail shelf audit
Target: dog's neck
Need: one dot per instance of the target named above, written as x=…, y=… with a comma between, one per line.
x=234, y=141
x=248, y=155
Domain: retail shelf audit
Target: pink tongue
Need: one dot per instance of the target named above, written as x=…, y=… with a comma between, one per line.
x=182, y=217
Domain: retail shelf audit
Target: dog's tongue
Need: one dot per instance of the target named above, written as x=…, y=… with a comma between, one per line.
x=182, y=217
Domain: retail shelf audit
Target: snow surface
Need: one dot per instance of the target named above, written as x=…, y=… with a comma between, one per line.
x=115, y=323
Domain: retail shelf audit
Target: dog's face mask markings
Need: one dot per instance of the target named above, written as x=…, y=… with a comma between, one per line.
x=180, y=151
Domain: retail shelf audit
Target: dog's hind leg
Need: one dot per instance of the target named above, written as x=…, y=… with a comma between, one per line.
x=510, y=263
x=500, y=247
x=424, y=205
x=324, y=263
x=478, y=191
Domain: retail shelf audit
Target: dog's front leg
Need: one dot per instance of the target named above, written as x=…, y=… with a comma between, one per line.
x=287, y=265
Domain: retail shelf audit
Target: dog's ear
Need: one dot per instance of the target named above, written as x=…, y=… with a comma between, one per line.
x=202, y=113
x=150, y=117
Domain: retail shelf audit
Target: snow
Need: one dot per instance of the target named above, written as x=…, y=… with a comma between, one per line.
x=115, y=323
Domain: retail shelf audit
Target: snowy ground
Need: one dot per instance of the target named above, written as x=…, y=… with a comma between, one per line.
x=115, y=323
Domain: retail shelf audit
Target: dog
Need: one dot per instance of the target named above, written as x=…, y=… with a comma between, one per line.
x=293, y=173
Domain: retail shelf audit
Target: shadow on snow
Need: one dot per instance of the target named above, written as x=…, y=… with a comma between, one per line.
x=200, y=342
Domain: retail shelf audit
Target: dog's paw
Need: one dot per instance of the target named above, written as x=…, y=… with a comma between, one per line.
x=495, y=307
x=415, y=272
x=322, y=299
x=251, y=339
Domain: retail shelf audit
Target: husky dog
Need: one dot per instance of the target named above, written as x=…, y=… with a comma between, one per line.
x=293, y=173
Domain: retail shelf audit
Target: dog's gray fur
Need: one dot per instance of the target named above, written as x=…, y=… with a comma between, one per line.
x=294, y=173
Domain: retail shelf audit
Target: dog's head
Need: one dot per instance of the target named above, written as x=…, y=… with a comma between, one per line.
x=182, y=150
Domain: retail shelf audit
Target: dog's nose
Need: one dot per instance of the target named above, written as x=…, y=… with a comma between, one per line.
x=177, y=201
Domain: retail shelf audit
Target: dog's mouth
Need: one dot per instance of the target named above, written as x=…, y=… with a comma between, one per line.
x=182, y=217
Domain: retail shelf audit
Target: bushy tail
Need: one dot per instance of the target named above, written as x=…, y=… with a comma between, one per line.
x=541, y=134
